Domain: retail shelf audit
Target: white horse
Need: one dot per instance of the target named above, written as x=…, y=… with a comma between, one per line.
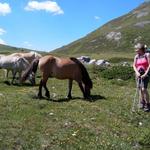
x=5, y=71
x=14, y=64
x=28, y=56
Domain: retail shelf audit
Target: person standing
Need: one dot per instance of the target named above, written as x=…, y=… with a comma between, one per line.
x=141, y=66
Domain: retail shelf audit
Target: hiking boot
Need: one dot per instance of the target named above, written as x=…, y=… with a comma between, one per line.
x=147, y=107
x=142, y=104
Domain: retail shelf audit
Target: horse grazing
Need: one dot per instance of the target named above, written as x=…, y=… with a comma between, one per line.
x=14, y=64
x=61, y=68
x=30, y=56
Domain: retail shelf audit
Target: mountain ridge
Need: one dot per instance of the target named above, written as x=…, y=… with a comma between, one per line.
x=6, y=49
x=119, y=34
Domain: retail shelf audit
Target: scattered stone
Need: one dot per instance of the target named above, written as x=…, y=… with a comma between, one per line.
x=92, y=61
x=51, y=114
x=142, y=14
x=116, y=36
x=102, y=63
x=1, y=94
x=84, y=59
x=54, y=95
x=125, y=64
x=142, y=24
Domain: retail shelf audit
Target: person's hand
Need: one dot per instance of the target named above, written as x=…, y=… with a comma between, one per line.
x=143, y=76
x=138, y=74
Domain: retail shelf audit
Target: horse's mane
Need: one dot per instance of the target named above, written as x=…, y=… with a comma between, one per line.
x=85, y=76
x=37, y=55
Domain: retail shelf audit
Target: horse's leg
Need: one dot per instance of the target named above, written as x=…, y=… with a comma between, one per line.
x=46, y=89
x=14, y=75
x=70, y=88
x=40, y=89
x=6, y=73
x=82, y=89
x=20, y=77
x=43, y=83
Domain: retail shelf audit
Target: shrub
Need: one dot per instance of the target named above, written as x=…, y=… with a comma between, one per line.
x=119, y=60
x=118, y=72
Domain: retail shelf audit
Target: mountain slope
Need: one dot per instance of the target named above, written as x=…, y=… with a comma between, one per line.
x=117, y=35
x=5, y=49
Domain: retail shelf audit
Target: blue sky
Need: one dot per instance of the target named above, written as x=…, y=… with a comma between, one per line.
x=46, y=24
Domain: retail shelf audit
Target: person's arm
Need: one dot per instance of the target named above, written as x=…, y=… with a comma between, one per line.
x=134, y=67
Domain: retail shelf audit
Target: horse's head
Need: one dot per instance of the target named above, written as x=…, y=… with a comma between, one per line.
x=31, y=78
x=88, y=86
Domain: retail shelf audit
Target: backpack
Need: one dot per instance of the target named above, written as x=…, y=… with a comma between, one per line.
x=148, y=50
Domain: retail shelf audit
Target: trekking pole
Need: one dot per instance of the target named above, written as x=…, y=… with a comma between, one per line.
x=137, y=95
x=141, y=86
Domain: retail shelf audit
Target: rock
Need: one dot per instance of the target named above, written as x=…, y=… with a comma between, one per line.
x=84, y=59
x=142, y=24
x=114, y=36
x=102, y=62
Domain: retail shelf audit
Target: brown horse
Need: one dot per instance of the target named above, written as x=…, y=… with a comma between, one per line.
x=61, y=68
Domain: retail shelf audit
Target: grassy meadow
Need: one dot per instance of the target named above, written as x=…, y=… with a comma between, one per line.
x=106, y=122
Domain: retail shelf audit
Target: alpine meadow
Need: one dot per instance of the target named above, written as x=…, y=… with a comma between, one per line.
x=103, y=122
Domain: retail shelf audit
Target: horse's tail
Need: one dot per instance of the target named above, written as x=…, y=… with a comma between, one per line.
x=85, y=76
x=31, y=69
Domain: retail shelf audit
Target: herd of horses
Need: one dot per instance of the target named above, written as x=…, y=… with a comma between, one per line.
x=26, y=65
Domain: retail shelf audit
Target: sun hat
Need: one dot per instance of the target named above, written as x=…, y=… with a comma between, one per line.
x=139, y=46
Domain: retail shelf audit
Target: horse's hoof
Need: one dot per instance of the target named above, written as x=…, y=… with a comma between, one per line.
x=88, y=98
x=39, y=96
x=7, y=82
x=69, y=97
x=33, y=83
x=48, y=98
x=47, y=95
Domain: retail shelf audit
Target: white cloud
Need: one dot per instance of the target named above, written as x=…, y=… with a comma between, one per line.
x=49, y=6
x=97, y=17
x=4, y=9
x=2, y=42
x=2, y=31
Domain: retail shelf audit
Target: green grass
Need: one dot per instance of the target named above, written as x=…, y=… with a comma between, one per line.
x=106, y=123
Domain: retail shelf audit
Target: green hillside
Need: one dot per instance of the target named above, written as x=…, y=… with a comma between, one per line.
x=5, y=49
x=117, y=35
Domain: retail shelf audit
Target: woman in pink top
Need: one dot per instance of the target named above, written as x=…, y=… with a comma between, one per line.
x=141, y=67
